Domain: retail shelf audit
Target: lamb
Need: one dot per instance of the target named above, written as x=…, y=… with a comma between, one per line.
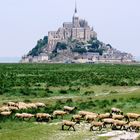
x=96, y=124
x=90, y=117
x=104, y=116
x=59, y=113
x=117, y=117
x=76, y=118
x=70, y=124
x=69, y=109
x=116, y=111
x=43, y=117
x=132, y=116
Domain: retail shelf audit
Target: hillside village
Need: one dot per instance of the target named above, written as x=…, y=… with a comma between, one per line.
x=75, y=42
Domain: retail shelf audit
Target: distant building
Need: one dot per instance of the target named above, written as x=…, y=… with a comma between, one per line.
x=77, y=29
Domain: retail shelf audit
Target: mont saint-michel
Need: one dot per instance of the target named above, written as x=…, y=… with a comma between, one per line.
x=75, y=42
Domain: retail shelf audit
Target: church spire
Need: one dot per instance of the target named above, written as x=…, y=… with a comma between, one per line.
x=75, y=6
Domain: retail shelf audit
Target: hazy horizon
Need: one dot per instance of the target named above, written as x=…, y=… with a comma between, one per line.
x=25, y=22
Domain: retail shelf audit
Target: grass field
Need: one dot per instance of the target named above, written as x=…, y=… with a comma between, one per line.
x=63, y=87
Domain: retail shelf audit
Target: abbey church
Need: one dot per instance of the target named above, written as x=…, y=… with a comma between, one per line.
x=75, y=42
x=77, y=29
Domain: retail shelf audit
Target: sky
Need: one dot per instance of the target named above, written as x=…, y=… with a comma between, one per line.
x=23, y=22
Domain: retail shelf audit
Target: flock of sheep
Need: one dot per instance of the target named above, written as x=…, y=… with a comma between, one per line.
x=114, y=119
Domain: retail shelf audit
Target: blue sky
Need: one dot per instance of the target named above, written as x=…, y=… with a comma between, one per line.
x=23, y=22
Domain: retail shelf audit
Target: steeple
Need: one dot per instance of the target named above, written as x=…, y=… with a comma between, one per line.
x=75, y=10
x=75, y=7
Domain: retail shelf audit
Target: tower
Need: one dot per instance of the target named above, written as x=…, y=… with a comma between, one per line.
x=75, y=17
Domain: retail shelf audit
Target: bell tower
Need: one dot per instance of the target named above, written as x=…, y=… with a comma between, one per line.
x=75, y=17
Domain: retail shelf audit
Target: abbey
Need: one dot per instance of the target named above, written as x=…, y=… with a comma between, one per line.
x=78, y=29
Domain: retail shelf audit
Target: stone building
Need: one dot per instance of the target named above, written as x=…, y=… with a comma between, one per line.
x=78, y=29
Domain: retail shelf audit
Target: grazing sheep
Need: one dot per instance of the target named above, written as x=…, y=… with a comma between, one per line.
x=76, y=118
x=12, y=104
x=133, y=116
x=4, y=108
x=134, y=126
x=70, y=124
x=13, y=108
x=84, y=113
x=24, y=116
x=27, y=116
x=69, y=109
x=108, y=121
x=40, y=105
x=96, y=124
x=31, y=106
x=59, y=113
x=18, y=115
x=6, y=114
x=117, y=117
x=104, y=116
x=90, y=117
x=43, y=117
x=119, y=123
x=116, y=111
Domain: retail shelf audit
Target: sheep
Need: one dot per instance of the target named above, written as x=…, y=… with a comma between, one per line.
x=40, y=104
x=76, y=118
x=31, y=106
x=43, y=117
x=13, y=108
x=108, y=121
x=84, y=113
x=116, y=111
x=24, y=116
x=133, y=116
x=134, y=125
x=59, y=113
x=104, y=116
x=8, y=113
x=69, y=123
x=90, y=117
x=96, y=124
x=27, y=116
x=18, y=115
x=118, y=117
x=4, y=108
x=69, y=109
x=12, y=104
x=119, y=123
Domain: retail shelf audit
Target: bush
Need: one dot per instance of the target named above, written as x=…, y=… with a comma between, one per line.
x=63, y=91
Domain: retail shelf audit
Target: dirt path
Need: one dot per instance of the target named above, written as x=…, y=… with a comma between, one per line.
x=121, y=135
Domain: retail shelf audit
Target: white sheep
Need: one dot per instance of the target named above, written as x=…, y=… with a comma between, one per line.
x=116, y=110
x=43, y=117
x=96, y=124
x=69, y=109
x=59, y=113
x=76, y=118
x=69, y=123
